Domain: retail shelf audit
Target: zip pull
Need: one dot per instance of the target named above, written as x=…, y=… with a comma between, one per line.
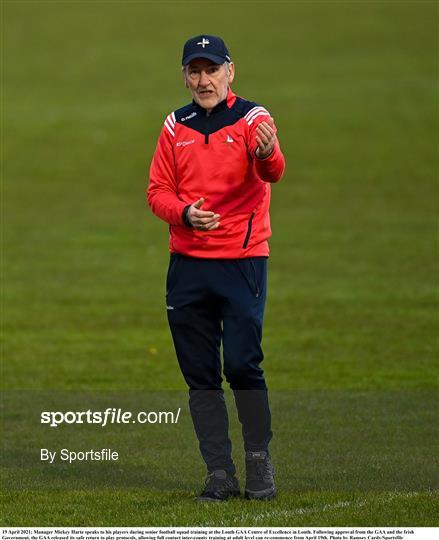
x=206, y=135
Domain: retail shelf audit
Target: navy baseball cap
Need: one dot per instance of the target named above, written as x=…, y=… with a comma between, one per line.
x=204, y=46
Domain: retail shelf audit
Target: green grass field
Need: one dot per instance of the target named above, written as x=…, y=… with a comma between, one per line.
x=352, y=316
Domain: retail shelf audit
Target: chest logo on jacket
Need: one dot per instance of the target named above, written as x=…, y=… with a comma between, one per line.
x=185, y=143
x=188, y=117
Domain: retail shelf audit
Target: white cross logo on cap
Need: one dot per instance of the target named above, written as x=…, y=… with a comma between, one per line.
x=204, y=42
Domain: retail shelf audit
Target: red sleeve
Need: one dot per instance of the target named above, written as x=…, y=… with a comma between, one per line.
x=271, y=168
x=162, y=193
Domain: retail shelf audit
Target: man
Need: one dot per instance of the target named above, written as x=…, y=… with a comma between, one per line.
x=210, y=181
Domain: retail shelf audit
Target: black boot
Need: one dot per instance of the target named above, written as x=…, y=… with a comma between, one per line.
x=259, y=476
x=219, y=487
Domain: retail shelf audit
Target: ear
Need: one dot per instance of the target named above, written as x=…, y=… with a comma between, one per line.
x=231, y=72
x=183, y=72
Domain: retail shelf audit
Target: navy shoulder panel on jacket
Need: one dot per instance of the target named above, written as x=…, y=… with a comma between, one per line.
x=195, y=117
x=250, y=110
x=243, y=106
x=183, y=114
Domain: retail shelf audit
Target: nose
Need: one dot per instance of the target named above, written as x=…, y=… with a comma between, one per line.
x=204, y=79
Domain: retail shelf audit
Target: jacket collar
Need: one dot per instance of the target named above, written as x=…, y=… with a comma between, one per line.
x=222, y=105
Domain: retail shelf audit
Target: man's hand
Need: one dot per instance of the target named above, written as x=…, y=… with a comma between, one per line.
x=266, y=139
x=201, y=220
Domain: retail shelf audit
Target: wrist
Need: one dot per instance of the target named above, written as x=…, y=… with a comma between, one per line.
x=262, y=157
x=185, y=216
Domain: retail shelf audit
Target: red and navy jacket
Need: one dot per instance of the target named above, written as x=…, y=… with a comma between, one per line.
x=213, y=156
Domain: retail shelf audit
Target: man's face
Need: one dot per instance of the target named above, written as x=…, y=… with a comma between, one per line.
x=208, y=82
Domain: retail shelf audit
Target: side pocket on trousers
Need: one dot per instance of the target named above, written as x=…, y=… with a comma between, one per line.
x=255, y=279
x=248, y=269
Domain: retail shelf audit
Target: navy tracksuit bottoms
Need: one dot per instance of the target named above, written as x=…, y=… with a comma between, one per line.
x=214, y=302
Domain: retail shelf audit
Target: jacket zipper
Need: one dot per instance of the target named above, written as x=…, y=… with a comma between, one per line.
x=206, y=135
x=249, y=231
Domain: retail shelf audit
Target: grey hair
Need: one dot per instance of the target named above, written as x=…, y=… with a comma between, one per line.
x=226, y=65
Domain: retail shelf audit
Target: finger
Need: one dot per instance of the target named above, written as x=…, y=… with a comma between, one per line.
x=263, y=137
x=266, y=130
x=199, y=203
x=266, y=127
x=267, y=124
x=263, y=150
x=270, y=123
x=204, y=220
x=259, y=142
x=208, y=227
x=265, y=134
x=262, y=146
x=202, y=213
x=207, y=220
x=213, y=226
